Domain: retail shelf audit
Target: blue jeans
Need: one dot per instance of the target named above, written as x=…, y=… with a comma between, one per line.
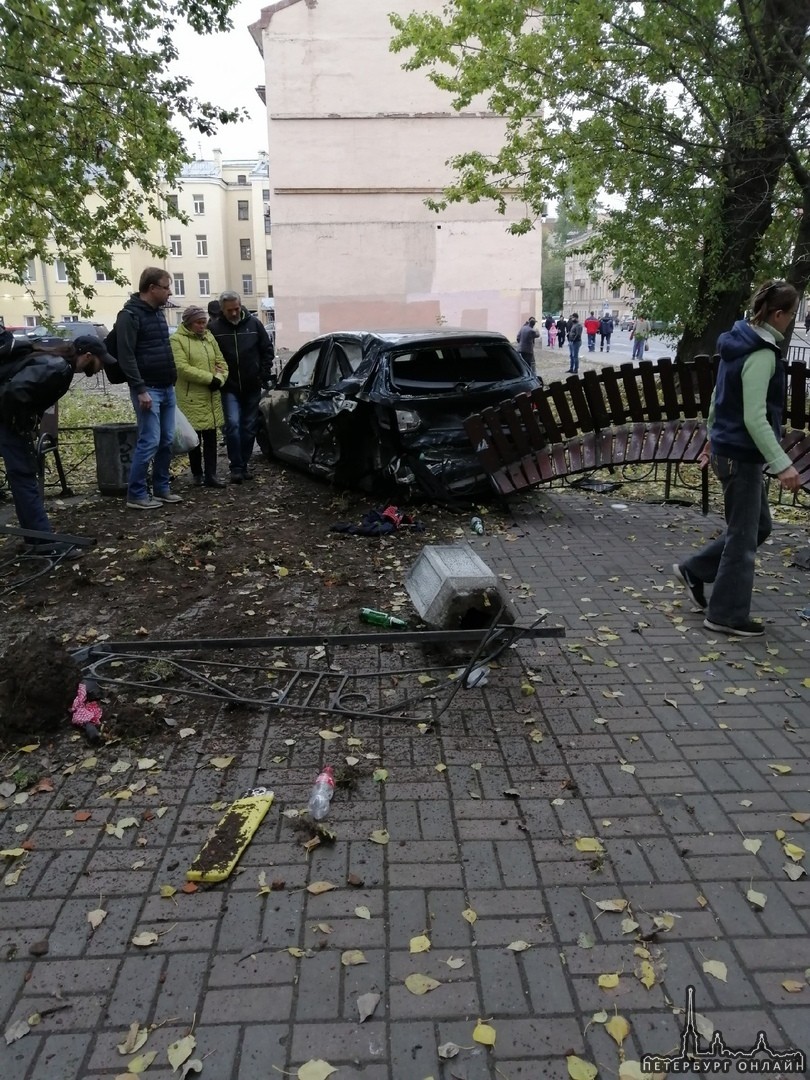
x=19, y=453
x=638, y=348
x=241, y=422
x=155, y=437
x=591, y=342
x=573, y=354
x=728, y=561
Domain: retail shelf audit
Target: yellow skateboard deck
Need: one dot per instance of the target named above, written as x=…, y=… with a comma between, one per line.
x=236, y=829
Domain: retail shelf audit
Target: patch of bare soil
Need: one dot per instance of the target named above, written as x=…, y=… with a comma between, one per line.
x=37, y=686
x=251, y=560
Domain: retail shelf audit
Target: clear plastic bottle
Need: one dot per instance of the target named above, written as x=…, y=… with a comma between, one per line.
x=477, y=526
x=381, y=618
x=322, y=792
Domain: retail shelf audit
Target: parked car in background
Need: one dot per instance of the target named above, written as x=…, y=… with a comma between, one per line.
x=626, y=323
x=71, y=330
x=381, y=410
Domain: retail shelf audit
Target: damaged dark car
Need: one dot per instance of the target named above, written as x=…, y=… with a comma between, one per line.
x=383, y=410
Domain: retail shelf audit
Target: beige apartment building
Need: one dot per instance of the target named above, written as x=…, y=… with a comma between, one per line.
x=583, y=292
x=226, y=245
x=356, y=146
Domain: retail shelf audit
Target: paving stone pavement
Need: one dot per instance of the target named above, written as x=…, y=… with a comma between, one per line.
x=640, y=729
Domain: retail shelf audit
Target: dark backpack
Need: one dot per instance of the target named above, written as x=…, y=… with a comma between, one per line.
x=113, y=372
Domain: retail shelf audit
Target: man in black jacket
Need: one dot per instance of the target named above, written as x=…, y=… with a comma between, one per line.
x=146, y=360
x=34, y=374
x=249, y=354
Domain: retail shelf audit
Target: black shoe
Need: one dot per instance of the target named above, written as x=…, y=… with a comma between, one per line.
x=750, y=628
x=214, y=482
x=248, y=475
x=197, y=479
x=691, y=584
x=236, y=476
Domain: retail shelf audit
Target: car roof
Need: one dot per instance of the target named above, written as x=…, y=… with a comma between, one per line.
x=398, y=337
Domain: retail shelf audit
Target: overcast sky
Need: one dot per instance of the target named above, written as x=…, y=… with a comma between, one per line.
x=226, y=69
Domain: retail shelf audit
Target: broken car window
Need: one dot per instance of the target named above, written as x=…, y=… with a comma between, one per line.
x=445, y=369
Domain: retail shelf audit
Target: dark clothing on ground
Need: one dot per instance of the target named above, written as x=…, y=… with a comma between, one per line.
x=203, y=459
x=142, y=346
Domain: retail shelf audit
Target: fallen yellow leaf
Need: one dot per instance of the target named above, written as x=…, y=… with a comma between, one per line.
x=588, y=844
x=579, y=1069
x=484, y=1034
x=618, y=1029
x=609, y=981
x=420, y=984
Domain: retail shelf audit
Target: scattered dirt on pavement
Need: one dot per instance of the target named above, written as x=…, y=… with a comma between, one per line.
x=249, y=560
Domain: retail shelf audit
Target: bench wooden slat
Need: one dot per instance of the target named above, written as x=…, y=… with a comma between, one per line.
x=669, y=391
x=592, y=384
x=796, y=406
x=610, y=381
x=633, y=452
x=686, y=381
x=590, y=451
x=669, y=432
x=635, y=408
x=558, y=393
x=545, y=415
x=478, y=433
x=604, y=448
x=621, y=440
x=652, y=407
x=517, y=430
x=529, y=416
x=704, y=368
x=495, y=435
x=649, y=446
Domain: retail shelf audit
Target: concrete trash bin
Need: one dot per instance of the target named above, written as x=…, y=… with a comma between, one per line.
x=115, y=446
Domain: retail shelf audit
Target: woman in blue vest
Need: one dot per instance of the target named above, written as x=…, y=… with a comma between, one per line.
x=745, y=423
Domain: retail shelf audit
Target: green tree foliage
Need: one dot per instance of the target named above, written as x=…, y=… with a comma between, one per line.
x=553, y=271
x=692, y=116
x=86, y=104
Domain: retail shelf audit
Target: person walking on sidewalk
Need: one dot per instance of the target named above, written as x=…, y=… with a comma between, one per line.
x=145, y=358
x=201, y=374
x=592, y=329
x=562, y=330
x=551, y=331
x=249, y=354
x=605, y=332
x=745, y=422
x=574, y=343
x=527, y=335
x=642, y=328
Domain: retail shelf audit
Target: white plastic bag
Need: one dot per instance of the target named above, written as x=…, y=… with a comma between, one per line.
x=185, y=437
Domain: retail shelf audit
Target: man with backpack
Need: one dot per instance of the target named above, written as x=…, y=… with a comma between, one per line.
x=140, y=341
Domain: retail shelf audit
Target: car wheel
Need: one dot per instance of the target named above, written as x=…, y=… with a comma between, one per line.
x=263, y=439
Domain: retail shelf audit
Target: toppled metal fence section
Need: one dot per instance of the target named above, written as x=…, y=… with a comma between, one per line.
x=268, y=673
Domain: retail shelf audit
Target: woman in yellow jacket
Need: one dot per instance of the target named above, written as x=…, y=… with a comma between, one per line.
x=201, y=374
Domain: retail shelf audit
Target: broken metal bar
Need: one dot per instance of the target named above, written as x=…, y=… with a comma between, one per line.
x=53, y=537
x=513, y=632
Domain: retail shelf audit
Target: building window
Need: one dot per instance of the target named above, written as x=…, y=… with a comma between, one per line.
x=175, y=245
x=102, y=275
x=199, y=204
x=267, y=224
x=31, y=271
x=243, y=210
x=33, y=320
x=244, y=249
x=171, y=204
x=179, y=287
x=241, y=179
x=202, y=244
x=266, y=194
x=269, y=257
x=205, y=285
x=617, y=294
x=61, y=270
x=247, y=285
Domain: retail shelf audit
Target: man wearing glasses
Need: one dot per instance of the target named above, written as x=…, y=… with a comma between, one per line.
x=146, y=360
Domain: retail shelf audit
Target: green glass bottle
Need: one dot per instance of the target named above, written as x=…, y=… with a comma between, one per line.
x=381, y=618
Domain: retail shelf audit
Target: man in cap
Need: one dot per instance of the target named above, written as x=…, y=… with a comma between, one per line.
x=34, y=375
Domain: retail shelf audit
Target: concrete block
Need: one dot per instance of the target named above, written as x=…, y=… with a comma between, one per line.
x=452, y=588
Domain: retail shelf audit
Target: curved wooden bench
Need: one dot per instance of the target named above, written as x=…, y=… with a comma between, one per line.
x=652, y=413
